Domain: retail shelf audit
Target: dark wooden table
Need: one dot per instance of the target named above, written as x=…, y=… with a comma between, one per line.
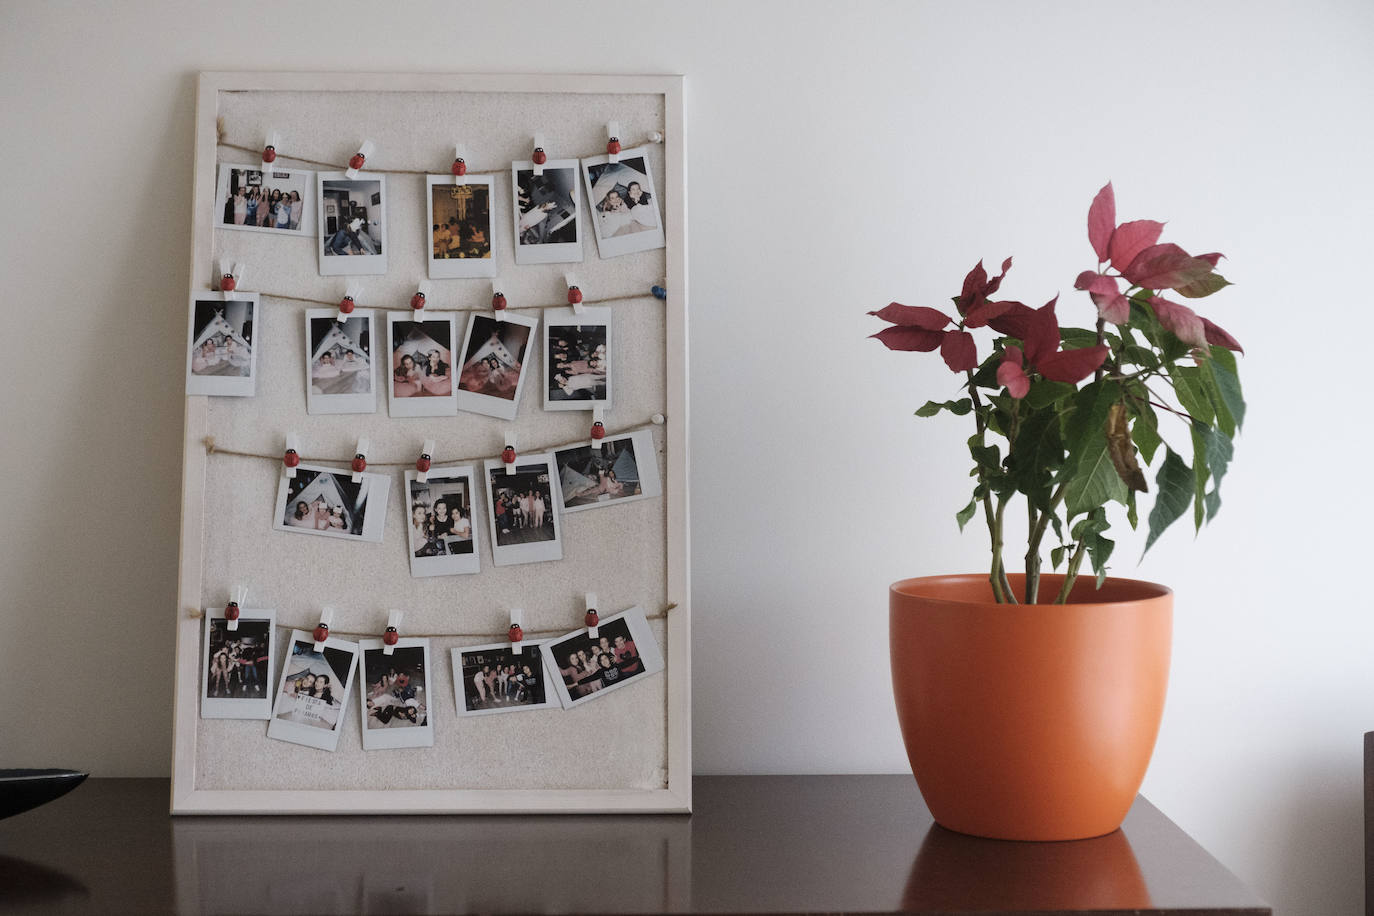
x=755, y=844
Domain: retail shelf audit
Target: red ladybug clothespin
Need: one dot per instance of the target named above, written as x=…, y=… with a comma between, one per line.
x=460, y=162
x=418, y=300
x=508, y=454
x=574, y=295
x=422, y=464
x=356, y=161
x=321, y=632
x=515, y=634
x=539, y=157
x=232, y=609
x=591, y=619
x=598, y=430
x=498, y=299
x=460, y=168
x=291, y=458
x=269, y=152
x=346, y=305
x=349, y=300
x=360, y=460
x=613, y=144
x=229, y=275
x=392, y=635
x=598, y=427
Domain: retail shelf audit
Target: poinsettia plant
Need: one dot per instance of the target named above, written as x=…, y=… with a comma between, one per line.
x=1069, y=418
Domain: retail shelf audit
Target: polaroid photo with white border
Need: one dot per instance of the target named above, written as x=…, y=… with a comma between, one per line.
x=545, y=212
x=443, y=528
x=394, y=705
x=237, y=677
x=491, y=679
x=523, y=511
x=624, y=469
x=461, y=226
x=221, y=357
x=624, y=652
x=326, y=501
x=623, y=204
x=352, y=232
x=265, y=199
x=420, y=364
x=577, y=358
x=313, y=694
x=340, y=375
x=496, y=357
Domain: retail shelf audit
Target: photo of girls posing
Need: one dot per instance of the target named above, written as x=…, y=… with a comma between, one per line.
x=577, y=363
x=396, y=688
x=238, y=660
x=440, y=519
x=523, y=506
x=264, y=200
x=588, y=665
x=312, y=689
x=499, y=679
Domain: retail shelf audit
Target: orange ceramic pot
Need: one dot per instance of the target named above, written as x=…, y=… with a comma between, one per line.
x=1029, y=722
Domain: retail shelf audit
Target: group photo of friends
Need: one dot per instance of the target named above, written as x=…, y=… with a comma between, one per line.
x=238, y=659
x=494, y=358
x=621, y=197
x=589, y=665
x=461, y=215
x=254, y=199
x=395, y=687
x=440, y=518
x=421, y=358
x=523, y=507
x=325, y=501
x=313, y=685
x=577, y=367
x=495, y=678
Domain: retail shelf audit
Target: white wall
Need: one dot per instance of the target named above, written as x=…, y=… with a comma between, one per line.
x=841, y=156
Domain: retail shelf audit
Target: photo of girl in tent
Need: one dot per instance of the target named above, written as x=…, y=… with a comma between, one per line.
x=592, y=477
x=495, y=357
x=340, y=362
x=313, y=685
x=222, y=338
x=624, y=210
x=422, y=358
x=325, y=502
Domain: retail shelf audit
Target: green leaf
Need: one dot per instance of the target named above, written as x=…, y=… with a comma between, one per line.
x=1074, y=338
x=1173, y=493
x=1132, y=515
x=1095, y=480
x=1218, y=450
x=1057, y=557
x=1087, y=422
x=1143, y=357
x=1145, y=431
x=1099, y=550
x=1037, y=451
x=959, y=408
x=1222, y=366
x=966, y=513
x=1213, y=503
x=1192, y=394
x=1203, y=286
x=1200, y=473
x=1044, y=392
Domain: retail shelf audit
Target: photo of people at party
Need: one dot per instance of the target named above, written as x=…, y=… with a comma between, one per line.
x=495, y=679
x=546, y=206
x=522, y=505
x=238, y=660
x=394, y=686
x=590, y=477
x=495, y=357
x=276, y=199
x=325, y=502
x=576, y=368
x=340, y=360
x=461, y=220
x=313, y=685
x=589, y=665
x=222, y=338
x=440, y=518
x=621, y=198
x=422, y=358
x=352, y=217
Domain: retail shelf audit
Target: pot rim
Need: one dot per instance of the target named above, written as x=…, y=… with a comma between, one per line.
x=907, y=588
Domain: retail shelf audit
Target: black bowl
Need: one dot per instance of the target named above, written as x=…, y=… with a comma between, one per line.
x=21, y=790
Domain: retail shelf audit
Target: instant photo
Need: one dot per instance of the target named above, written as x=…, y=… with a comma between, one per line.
x=521, y=508
x=623, y=204
x=238, y=665
x=338, y=362
x=265, y=200
x=395, y=695
x=221, y=357
x=577, y=359
x=460, y=227
x=326, y=501
x=443, y=533
x=352, y=225
x=545, y=213
x=493, y=679
x=421, y=365
x=624, y=652
x=313, y=692
x=493, y=373
x=623, y=470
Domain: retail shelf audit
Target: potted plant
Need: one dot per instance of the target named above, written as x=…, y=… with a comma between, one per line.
x=1030, y=702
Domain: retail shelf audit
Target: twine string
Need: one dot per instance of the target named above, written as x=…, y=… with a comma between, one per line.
x=459, y=308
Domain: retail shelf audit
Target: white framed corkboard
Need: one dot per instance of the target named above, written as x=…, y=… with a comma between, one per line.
x=627, y=752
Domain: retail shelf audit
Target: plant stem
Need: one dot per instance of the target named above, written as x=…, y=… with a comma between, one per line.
x=1071, y=574
x=1032, y=557
x=998, y=564
x=1101, y=338
x=993, y=522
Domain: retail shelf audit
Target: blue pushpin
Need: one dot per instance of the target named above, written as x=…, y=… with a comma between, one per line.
x=659, y=292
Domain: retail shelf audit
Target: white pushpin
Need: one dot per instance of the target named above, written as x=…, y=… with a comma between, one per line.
x=423, y=462
x=360, y=459
x=509, y=454
x=598, y=427
x=592, y=618
x=574, y=293
x=540, y=156
x=498, y=300
x=356, y=161
x=321, y=634
x=613, y=141
x=393, y=631
x=233, y=608
x=460, y=164
x=292, y=456
x=656, y=137
x=515, y=634
x=269, y=150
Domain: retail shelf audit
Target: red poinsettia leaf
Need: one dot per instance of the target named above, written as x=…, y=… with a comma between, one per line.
x=974, y=284
x=1217, y=337
x=1111, y=305
x=1203, y=286
x=1072, y=366
x=1015, y=321
x=1130, y=239
x=1010, y=373
x=1165, y=267
x=1181, y=320
x=983, y=312
x=913, y=316
x=958, y=351
x=900, y=338
x=995, y=283
x=1085, y=280
x=1212, y=257
x=1042, y=333
x=1101, y=220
